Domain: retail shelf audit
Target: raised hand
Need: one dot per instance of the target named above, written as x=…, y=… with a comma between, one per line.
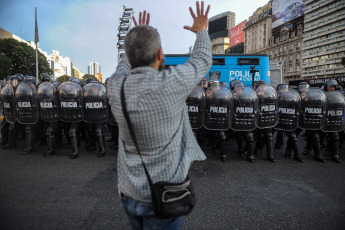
x=143, y=20
x=200, y=20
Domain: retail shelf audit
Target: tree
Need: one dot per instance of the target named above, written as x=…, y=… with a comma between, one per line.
x=63, y=78
x=86, y=76
x=18, y=57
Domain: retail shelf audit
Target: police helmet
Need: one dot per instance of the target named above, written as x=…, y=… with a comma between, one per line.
x=233, y=82
x=282, y=86
x=214, y=75
x=44, y=77
x=258, y=83
x=90, y=79
x=330, y=83
x=204, y=82
x=303, y=86
x=31, y=79
x=223, y=83
x=76, y=80
x=16, y=79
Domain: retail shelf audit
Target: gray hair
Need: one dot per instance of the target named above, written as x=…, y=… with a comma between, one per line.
x=142, y=44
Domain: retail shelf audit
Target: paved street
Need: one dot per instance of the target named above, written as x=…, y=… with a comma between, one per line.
x=56, y=192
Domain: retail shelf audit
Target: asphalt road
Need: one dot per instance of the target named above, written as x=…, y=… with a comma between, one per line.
x=56, y=192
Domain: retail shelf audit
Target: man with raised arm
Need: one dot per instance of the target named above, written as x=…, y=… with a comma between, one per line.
x=156, y=104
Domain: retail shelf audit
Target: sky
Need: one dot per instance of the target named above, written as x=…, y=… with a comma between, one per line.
x=86, y=30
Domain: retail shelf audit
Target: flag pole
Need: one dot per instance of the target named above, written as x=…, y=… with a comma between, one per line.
x=36, y=40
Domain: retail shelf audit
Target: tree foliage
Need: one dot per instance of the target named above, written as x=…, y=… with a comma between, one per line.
x=86, y=76
x=63, y=78
x=18, y=57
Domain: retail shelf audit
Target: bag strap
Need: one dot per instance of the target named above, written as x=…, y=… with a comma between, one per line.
x=131, y=131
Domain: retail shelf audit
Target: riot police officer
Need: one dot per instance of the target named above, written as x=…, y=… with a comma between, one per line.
x=312, y=119
x=27, y=110
x=334, y=118
x=219, y=101
x=8, y=94
x=245, y=118
x=71, y=112
x=289, y=102
x=268, y=117
x=48, y=106
x=95, y=111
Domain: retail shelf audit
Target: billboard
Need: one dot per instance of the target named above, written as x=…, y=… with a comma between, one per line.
x=236, y=34
x=286, y=10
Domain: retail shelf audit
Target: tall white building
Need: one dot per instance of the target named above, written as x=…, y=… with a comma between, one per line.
x=60, y=65
x=94, y=68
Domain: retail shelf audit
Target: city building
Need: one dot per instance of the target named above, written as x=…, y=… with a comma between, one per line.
x=257, y=30
x=60, y=65
x=277, y=30
x=93, y=68
x=77, y=73
x=324, y=39
x=218, y=29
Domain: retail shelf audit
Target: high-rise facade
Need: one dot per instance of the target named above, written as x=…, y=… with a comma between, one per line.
x=94, y=68
x=324, y=38
x=218, y=30
x=257, y=30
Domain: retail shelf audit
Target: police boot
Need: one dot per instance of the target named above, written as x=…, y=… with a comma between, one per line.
x=269, y=146
x=29, y=140
x=279, y=140
x=334, y=140
x=10, y=144
x=50, y=142
x=250, y=147
x=316, y=147
x=292, y=142
x=100, y=142
x=289, y=145
x=222, y=146
x=74, y=143
x=89, y=141
x=306, y=151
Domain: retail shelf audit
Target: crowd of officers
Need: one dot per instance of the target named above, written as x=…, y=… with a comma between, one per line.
x=253, y=114
x=50, y=112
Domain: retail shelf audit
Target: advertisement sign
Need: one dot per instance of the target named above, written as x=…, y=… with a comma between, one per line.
x=286, y=10
x=236, y=34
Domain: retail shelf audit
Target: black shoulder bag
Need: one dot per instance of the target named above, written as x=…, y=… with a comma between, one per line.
x=169, y=200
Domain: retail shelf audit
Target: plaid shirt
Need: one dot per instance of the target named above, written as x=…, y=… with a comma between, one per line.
x=156, y=104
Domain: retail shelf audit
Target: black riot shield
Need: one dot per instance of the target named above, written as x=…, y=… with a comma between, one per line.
x=70, y=101
x=313, y=109
x=196, y=107
x=335, y=120
x=95, y=103
x=48, y=102
x=268, y=106
x=245, y=109
x=26, y=103
x=219, y=102
x=7, y=95
x=289, y=104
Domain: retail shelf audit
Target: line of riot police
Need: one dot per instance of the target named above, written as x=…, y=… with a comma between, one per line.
x=217, y=110
x=70, y=108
